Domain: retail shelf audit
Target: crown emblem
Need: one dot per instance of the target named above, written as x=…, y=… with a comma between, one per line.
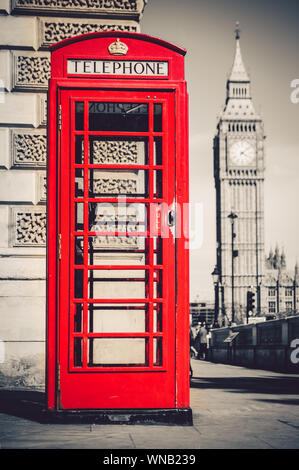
x=118, y=48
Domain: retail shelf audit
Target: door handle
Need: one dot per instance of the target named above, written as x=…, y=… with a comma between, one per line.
x=171, y=218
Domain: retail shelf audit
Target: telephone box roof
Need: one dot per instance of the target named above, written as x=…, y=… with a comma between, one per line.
x=120, y=34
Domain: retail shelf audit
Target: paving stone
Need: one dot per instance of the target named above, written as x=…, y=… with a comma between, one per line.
x=233, y=408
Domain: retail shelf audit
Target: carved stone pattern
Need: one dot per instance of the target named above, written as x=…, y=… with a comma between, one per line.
x=114, y=186
x=30, y=149
x=43, y=110
x=54, y=32
x=30, y=228
x=113, y=151
x=130, y=5
x=114, y=242
x=33, y=71
x=43, y=188
x=119, y=222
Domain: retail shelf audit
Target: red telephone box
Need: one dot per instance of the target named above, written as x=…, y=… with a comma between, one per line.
x=118, y=274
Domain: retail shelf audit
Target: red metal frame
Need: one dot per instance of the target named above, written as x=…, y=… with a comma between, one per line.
x=129, y=382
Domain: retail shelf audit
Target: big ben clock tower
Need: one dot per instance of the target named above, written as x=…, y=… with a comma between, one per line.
x=239, y=182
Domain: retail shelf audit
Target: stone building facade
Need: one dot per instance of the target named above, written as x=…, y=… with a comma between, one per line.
x=281, y=286
x=27, y=29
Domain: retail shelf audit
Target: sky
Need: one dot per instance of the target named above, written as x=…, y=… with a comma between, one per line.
x=270, y=50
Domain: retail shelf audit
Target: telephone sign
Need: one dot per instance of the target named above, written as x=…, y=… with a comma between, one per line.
x=118, y=279
x=113, y=67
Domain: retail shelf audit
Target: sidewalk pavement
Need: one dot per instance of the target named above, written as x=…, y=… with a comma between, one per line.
x=233, y=408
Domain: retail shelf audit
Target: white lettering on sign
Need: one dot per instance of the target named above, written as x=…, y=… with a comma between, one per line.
x=113, y=67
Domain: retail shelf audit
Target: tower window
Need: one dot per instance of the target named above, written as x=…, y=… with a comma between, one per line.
x=271, y=291
x=289, y=306
x=288, y=291
x=272, y=307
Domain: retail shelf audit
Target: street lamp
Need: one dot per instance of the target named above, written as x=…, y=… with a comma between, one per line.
x=215, y=276
x=233, y=216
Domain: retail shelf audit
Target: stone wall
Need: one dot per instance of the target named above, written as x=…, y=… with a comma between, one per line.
x=27, y=29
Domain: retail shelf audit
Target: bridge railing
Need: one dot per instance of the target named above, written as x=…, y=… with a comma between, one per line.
x=270, y=345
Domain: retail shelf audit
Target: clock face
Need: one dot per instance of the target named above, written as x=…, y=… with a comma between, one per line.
x=242, y=153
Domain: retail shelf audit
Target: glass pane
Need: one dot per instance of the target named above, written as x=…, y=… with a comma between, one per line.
x=112, y=249
x=79, y=115
x=78, y=246
x=158, y=252
x=78, y=317
x=118, y=151
x=78, y=343
x=158, y=186
x=128, y=117
x=158, y=151
x=117, y=351
x=158, y=352
x=105, y=217
x=130, y=183
x=78, y=287
x=79, y=149
x=79, y=182
x=157, y=117
x=79, y=219
x=158, y=286
x=117, y=284
x=158, y=326
x=117, y=319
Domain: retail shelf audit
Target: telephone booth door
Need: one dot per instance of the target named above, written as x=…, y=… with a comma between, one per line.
x=117, y=316
x=117, y=269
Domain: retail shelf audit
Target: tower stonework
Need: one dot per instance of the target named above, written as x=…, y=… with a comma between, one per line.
x=27, y=29
x=239, y=183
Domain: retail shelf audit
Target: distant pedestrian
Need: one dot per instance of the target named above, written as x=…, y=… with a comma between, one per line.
x=197, y=341
x=191, y=349
x=203, y=332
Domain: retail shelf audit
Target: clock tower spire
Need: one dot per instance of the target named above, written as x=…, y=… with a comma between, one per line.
x=239, y=181
x=238, y=90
